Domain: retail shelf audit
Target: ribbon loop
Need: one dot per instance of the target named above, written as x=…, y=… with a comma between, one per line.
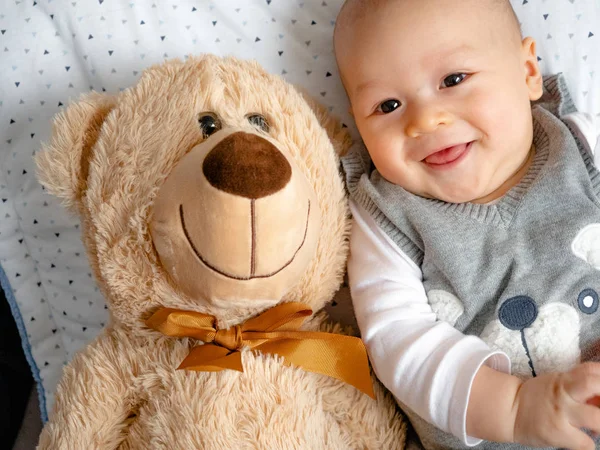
x=230, y=338
x=277, y=332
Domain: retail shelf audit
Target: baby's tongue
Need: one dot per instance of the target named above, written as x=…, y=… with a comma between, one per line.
x=447, y=155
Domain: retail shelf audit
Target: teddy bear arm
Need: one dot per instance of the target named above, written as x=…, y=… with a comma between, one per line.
x=95, y=399
x=369, y=423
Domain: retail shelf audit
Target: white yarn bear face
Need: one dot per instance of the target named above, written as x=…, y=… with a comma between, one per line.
x=537, y=339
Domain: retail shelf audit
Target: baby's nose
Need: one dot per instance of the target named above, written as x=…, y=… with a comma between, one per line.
x=425, y=119
x=518, y=313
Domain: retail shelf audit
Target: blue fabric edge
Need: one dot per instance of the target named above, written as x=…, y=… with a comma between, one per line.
x=16, y=312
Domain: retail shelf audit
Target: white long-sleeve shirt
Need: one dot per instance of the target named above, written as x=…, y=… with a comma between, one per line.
x=427, y=364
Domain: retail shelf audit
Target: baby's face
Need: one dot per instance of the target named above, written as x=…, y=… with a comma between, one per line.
x=440, y=92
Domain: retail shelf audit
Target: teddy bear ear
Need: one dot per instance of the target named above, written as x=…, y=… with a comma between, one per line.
x=337, y=132
x=63, y=163
x=586, y=245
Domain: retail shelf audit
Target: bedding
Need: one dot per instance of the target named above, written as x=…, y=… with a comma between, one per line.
x=51, y=51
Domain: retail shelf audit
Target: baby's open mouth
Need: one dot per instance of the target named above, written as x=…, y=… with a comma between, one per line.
x=448, y=155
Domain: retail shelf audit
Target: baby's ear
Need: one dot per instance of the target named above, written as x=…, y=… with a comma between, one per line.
x=63, y=163
x=533, y=74
x=337, y=132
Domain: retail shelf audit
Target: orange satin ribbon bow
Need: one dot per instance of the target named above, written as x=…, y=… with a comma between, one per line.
x=276, y=331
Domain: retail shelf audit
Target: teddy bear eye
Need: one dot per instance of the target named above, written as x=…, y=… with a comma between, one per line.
x=209, y=123
x=259, y=121
x=588, y=301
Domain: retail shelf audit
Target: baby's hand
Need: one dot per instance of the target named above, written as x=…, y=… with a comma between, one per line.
x=551, y=409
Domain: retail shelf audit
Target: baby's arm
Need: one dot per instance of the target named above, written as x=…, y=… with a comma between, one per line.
x=449, y=379
x=587, y=129
x=427, y=364
x=547, y=411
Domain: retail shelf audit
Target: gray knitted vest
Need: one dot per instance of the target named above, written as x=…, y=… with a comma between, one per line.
x=523, y=273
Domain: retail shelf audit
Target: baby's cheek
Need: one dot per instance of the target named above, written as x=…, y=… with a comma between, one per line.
x=390, y=156
x=485, y=112
x=496, y=111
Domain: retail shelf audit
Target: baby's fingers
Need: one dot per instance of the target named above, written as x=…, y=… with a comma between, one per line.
x=583, y=382
x=575, y=439
x=585, y=416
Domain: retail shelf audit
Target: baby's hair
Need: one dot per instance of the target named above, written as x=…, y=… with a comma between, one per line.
x=506, y=9
x=352, y=10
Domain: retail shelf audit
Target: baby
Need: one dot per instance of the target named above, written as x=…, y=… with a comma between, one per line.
x=474, y=253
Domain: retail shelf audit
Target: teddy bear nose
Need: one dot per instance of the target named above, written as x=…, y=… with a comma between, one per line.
x=518, y=313
x=247, y=165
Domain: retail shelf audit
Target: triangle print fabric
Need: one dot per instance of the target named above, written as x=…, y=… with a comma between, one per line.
x=51, y=51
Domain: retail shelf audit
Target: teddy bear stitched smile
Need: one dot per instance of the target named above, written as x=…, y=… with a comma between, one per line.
x=235, y=193
x=249, y=166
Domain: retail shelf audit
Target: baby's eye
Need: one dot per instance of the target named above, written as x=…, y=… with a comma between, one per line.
x=453, y=79
x=388, y=106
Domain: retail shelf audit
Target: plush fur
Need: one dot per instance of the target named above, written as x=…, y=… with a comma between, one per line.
x=109, y=159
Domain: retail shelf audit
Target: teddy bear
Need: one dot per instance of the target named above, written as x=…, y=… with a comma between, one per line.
x=216, y=224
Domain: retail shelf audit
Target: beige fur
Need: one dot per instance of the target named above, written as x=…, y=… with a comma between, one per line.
x=108, y=159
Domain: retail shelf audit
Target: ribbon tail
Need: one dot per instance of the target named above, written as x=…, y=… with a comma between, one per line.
x=339, y=356
x=212, y=358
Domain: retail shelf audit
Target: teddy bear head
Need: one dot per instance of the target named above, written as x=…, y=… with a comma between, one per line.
x=209, y=186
